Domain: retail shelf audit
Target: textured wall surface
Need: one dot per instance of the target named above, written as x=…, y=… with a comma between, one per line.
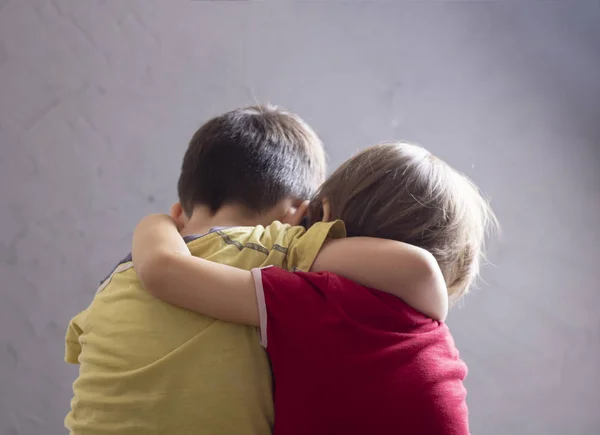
x=98, y=99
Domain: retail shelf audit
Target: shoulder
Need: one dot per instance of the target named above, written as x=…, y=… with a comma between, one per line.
x=305, y=245
x=274, y=236
x=219, y=238
x=244, y=247
x=278, y=277
x=323, y=230
x=123, y=265
x=290, y=292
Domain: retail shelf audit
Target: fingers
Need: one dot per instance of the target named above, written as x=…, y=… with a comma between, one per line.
x=295, y=215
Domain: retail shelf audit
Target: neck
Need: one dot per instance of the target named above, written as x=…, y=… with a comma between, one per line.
x=203, y=220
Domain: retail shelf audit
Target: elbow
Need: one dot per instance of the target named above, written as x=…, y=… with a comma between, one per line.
x=151, y=271
x=433, y=285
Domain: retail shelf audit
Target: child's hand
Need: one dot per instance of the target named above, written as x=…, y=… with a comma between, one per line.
x=295, y=214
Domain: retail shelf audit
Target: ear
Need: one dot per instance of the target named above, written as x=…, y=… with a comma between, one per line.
x=178, y=215
x=326, y=210
x=295, y=215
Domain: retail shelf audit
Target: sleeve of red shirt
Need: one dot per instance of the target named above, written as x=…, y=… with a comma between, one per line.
x=290, y=302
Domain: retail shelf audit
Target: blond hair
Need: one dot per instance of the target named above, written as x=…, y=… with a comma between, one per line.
x=401, y=191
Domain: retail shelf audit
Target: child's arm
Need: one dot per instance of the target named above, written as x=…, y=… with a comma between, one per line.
x=168, y=271
x=404, y=270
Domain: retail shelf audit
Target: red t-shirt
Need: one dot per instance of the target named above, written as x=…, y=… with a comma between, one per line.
x=347, y=359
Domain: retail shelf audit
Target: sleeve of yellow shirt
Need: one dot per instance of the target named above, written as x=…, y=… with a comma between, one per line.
x=303, y=250
x=72, y=345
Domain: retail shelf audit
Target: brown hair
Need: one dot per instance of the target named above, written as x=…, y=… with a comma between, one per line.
x=253, y=156
x=402, y=192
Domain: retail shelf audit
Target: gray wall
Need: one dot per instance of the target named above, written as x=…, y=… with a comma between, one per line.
x=98, y=100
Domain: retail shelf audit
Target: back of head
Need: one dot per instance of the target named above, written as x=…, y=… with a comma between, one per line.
x=254, y=157
x=402, y=192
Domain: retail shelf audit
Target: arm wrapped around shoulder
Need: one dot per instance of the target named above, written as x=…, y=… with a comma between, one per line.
x=403, y=270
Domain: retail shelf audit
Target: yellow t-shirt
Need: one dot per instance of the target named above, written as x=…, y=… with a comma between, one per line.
x=148, y=368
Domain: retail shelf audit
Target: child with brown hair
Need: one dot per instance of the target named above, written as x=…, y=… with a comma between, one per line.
x=346, y=358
